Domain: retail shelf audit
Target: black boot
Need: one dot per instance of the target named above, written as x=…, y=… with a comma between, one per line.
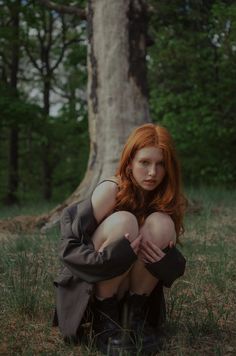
x=110, y=338
x=135, y=318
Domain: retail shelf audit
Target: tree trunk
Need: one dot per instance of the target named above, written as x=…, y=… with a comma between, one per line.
x=117, y=85
x=46, y=147
x=117, y=89
x=13, y=177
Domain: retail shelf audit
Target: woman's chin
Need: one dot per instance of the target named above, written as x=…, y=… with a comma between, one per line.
x=148, y=188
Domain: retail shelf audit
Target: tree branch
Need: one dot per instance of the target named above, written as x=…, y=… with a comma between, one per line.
x=64, y=9
x=32, y=59
x=63, y=49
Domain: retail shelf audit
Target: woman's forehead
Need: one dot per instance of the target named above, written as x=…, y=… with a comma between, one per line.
x=150, y=152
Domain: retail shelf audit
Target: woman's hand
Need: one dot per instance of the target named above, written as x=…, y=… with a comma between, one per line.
x=135, y=244
x=147, y=251
x=150, y=253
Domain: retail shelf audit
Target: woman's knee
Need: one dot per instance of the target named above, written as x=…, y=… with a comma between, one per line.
x=159, y=228
x=115, y=226
x=124, y=222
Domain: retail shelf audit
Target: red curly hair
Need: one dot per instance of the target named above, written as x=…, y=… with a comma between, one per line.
x=167, y=197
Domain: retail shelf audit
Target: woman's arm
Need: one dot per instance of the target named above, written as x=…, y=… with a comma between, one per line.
x=167, y=265
x=102, y=203
x=81, y=259
x=104, y=199
x=86, y=263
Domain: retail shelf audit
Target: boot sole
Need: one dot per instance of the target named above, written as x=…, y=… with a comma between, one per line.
x=116, y=351
x=128, y=351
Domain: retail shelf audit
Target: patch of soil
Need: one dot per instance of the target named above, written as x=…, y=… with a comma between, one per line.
x=22, y=223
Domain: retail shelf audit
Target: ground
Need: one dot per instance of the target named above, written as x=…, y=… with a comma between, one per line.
x=201, y=306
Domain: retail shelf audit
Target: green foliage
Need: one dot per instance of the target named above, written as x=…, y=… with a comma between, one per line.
x=15, y=109
x=192, y=71
x=52, y=150
x=71, y=142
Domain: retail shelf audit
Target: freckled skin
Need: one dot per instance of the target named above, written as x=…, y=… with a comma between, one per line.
x=148, y=164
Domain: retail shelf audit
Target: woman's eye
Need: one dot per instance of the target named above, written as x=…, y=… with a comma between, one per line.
x=145, y=163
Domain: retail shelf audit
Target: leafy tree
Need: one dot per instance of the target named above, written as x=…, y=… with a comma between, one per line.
x=191, y=76
x=191, y=69
x=10, y=67
x=48, y=71
x=117, y=87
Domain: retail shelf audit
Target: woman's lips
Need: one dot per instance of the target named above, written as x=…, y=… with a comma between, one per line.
x=150, y=182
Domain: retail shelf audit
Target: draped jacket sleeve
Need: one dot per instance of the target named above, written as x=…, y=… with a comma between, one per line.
x=82, y=261
x=169, y=268
x=77, y=253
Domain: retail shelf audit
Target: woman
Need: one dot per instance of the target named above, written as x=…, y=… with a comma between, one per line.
x=118, y=248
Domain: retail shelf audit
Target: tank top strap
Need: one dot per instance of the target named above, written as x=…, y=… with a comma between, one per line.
x=113, y=180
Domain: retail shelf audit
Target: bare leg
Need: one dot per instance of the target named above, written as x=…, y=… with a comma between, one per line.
x=111, y=229
x=158, y=228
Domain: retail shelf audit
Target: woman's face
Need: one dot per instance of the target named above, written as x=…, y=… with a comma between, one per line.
x=148, y=167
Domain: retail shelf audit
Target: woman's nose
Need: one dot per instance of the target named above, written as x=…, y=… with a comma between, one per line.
x=152, y=171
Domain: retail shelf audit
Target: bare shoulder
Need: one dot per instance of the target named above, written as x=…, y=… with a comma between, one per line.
x=105, y=189
x=115, y=179
x=104, y=199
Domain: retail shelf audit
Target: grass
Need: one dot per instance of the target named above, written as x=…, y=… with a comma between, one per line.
x=34, y=208
x=201, y=306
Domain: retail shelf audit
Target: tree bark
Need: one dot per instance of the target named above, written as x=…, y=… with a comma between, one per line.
x=13, y=178
x=46, y=147
x=117, y=89
x=117, y=86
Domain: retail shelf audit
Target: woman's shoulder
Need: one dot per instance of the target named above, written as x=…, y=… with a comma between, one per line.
x=104, y=198
x=109, y=182
x=114, y=179
x=107, y=186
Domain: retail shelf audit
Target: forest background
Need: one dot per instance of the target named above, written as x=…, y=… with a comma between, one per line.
x=44, y=140
x=44, y=150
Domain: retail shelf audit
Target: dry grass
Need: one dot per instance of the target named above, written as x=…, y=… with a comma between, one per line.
x=201, y=306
